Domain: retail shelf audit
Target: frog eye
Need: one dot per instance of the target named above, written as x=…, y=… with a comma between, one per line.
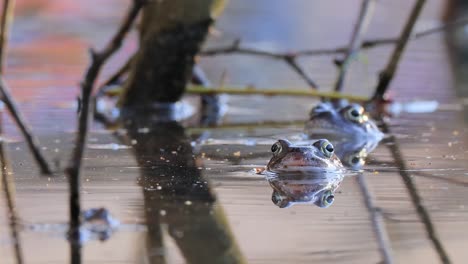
x=279, y=200
x=356, y=161
x=326, y=199
x=326, y=148
x=276, y=148
x=354, y=113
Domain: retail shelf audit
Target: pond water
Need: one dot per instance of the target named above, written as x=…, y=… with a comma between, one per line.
x=179, y=193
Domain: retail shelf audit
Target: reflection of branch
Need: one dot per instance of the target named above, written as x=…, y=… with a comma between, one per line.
x=288, y=58
x=365, y=15
x=8, y=189
x=413, y=192
x=377, y=222
x=7, y=17
x=73, y=170
x=386, y=75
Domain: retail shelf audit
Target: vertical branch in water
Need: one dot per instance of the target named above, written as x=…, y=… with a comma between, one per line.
x=73, y=169
x=415, y=198
x=365, y=15
x=377, y=222
x=7, y=182
x=386, y=75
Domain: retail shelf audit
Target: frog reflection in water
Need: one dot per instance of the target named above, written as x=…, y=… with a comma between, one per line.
x=304, y=174
x=350, y=129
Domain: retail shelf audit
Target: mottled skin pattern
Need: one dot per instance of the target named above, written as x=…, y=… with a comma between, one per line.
x=348, y=127
x=304, y=174
x=343, y=119
x=291, y=158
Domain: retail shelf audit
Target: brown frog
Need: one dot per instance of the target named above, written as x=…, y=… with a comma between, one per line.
x=304, y=174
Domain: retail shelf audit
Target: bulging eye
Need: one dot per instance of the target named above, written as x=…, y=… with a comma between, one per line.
x=355, y=113
x=327, y=148
x=328, y=198
x=356, y=161
x=276, y=148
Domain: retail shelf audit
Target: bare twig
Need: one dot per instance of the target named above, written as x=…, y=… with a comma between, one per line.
x=25, y=130
x=360, y=28
x=73, y=169
x=415, y=198
x=386, y=75
x=120, y=72
x=196, y=89
x=288, y=58
x=7, y=17
x=385, y=41
x=377, y=221
x=371, y=43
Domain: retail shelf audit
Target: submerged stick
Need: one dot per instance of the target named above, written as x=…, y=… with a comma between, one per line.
x=414, y=195
x=386, y=75
x=377, y=222
x=355, y=44
x=73, y=169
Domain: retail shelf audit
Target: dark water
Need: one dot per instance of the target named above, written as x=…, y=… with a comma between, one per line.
x=216, y=208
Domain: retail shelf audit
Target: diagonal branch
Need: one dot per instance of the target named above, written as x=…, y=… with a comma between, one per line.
x=7, y=17
x=288, y=58
x=73, y=169
x=386, y=75
x=355, y=44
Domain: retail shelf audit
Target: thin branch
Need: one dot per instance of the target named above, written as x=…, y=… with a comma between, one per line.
x=377, y=221
x=360, y=29
x=7, y=17
x=73, y=169
x=288, y=58
x=385, y=41
x=196, y=89
x=413, y=192
x=386, y=75
x=232, y=48
x=25, y=130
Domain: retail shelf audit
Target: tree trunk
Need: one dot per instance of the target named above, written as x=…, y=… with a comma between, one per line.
x=171, y=34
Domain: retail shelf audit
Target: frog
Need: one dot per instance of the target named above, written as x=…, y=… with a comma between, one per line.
x=304, y=173
x=348, y=127
x=342, y=119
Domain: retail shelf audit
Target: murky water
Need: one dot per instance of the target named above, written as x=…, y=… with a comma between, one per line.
x=179, y=199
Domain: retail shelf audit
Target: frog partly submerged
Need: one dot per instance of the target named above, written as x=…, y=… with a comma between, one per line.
x=304, y=173
x=342, y=119
x=348, y=127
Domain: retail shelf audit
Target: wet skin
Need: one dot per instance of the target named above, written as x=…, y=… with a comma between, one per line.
x=304, y=174
x=348, y=127
x=342, y=119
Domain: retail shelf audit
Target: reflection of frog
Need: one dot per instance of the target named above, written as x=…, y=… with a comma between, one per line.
x=344, y=120
x=304, y=174
x=348, y=127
